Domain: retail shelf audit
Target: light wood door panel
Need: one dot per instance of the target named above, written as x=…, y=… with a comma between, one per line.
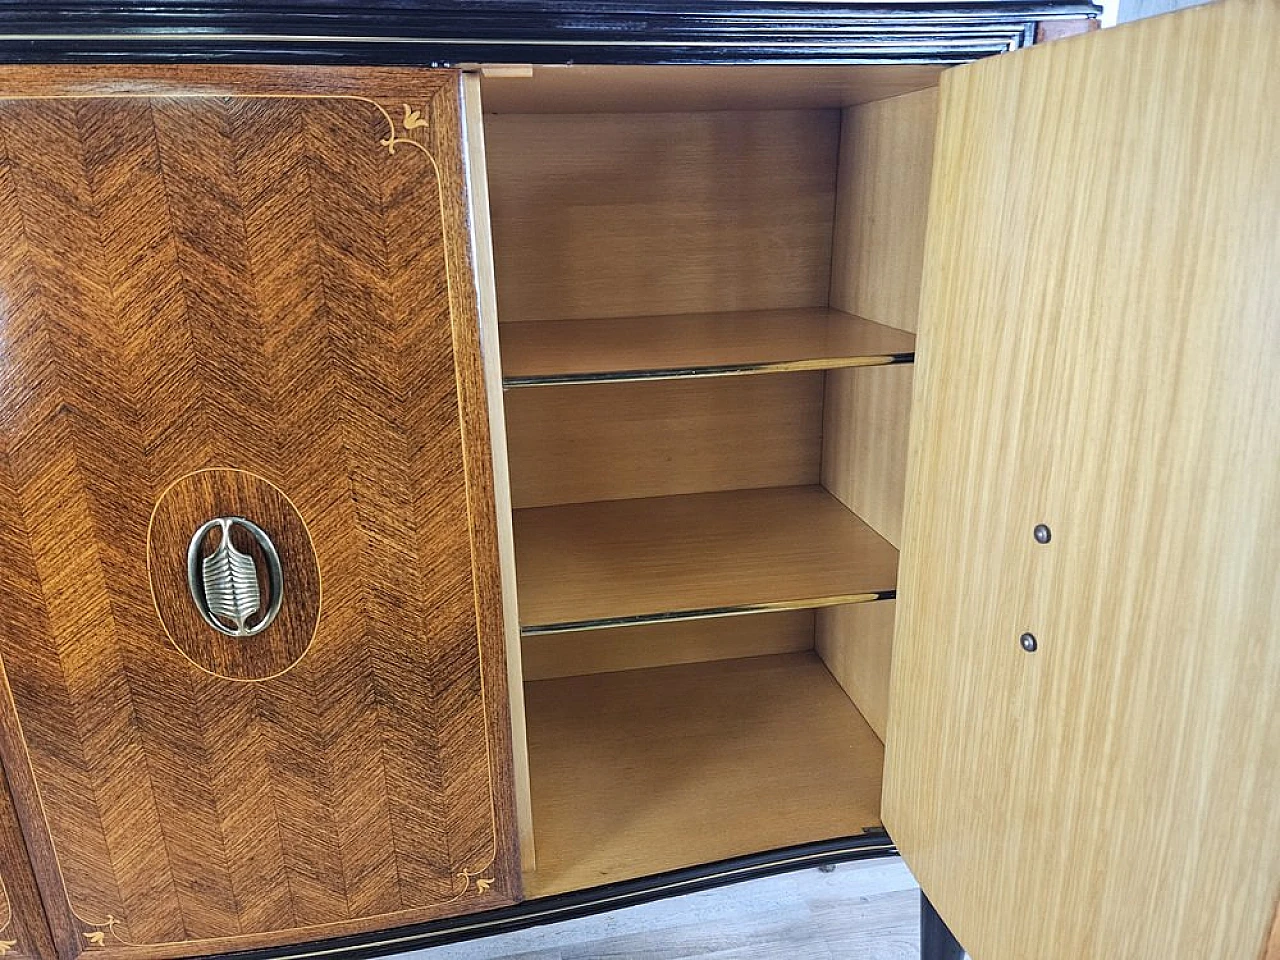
x=1099, y=351
x=247, y=291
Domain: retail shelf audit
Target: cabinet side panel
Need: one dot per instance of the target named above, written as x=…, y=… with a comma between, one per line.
x=882, y=199
x=865, y=419
x=855, y=641
x=482, y=246
x=882, y=207
x=1099, y=352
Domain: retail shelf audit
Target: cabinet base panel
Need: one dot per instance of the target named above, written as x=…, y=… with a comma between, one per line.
x=647, y=771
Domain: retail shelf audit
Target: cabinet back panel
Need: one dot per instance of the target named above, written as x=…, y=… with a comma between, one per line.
x=662, y=644
x=609, y=215
x=855, y=641
x=613, y=441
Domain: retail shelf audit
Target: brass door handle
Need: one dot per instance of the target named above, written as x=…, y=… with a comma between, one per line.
x=225, y=584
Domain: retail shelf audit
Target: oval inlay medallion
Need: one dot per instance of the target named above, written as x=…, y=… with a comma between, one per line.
x=268, y=561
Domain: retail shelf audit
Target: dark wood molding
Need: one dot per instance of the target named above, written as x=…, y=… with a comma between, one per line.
x=416, y=32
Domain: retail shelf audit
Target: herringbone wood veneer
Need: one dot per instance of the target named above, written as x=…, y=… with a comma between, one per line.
x=276, y=284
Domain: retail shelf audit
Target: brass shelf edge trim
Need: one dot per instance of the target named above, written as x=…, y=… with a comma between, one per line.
x=691, y=373
x=705, y=613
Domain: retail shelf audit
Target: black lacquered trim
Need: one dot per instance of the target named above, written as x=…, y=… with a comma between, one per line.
x=584, y=903
x=450, y=32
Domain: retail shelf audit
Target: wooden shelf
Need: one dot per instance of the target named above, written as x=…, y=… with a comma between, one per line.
x=586, y=565
x=639, y=772
x=543, y=352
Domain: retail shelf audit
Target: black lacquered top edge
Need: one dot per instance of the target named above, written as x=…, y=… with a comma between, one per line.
x=448, y=32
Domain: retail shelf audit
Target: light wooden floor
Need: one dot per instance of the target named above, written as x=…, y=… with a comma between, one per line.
x=867, y=910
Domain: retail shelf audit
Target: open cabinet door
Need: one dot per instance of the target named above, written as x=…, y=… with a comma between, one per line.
x=1099, y=352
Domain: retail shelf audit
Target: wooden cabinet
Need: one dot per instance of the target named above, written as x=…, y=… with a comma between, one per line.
x=246, y=293
x=662, y=492
x=712, y=299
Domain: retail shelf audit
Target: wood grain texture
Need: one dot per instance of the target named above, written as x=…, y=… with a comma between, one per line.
x=886, y=154
x=181, y=510
x=882, y=208
x=1099, y=351
x=866, y=416
x=381, y=84
x=866, y=419
x=487, y=303
x=592, y=88
x=649, y=770
x=24, y=932
x=549, y=656
x=855, y=641
x=626, y=215
x=696, y=345
x=582, y=442
x=277, y=284
x=694, y=555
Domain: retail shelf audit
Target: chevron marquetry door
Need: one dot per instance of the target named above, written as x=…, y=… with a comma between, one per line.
x=250, y=620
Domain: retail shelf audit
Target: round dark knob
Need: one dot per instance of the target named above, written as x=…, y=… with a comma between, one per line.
x=1042, y=533
x=1028, y=642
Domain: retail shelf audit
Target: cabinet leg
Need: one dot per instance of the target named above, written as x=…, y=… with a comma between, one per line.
x=936, y=941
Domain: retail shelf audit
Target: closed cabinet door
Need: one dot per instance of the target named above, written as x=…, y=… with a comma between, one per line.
x=250, y=616
x=1083, y=750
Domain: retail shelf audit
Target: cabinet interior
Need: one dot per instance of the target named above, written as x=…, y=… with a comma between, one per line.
x=705, y=285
